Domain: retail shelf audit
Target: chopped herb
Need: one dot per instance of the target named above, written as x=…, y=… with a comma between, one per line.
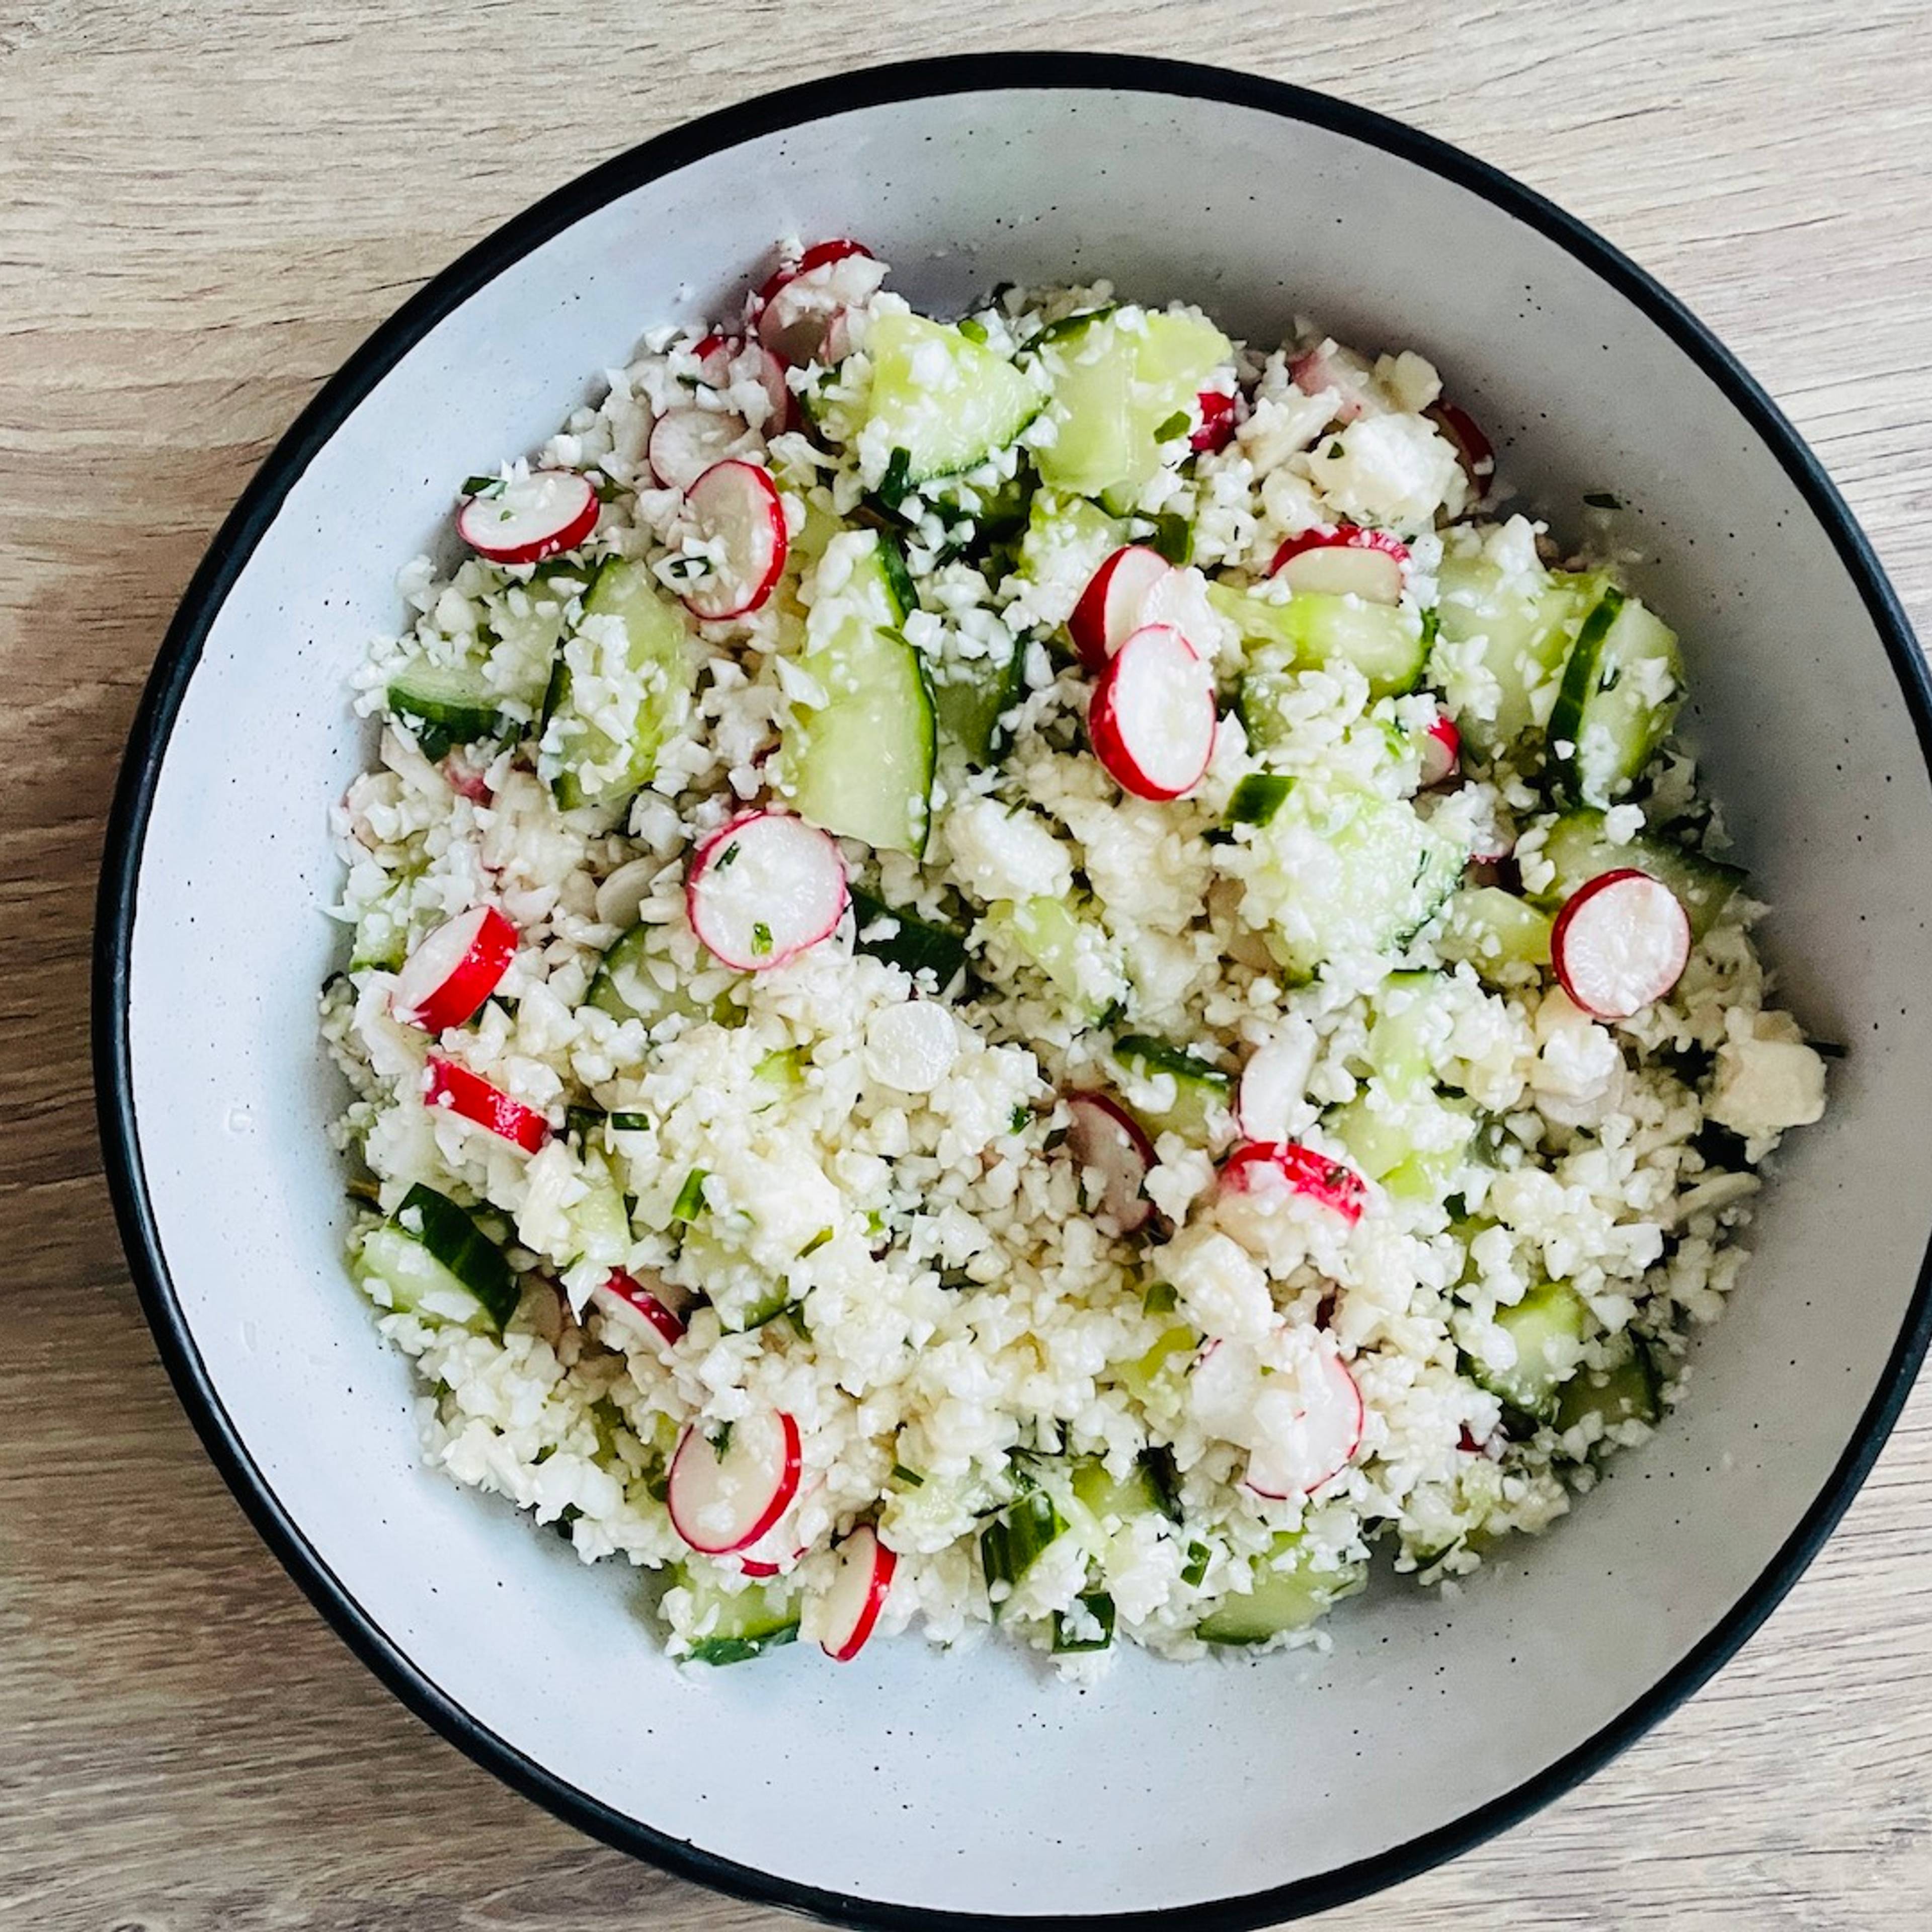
x=1016, y=1123
x=690, y=1201
x=761, y=938
x=727, y=858
x=1198, y=1555
x=894, y=486
x=482, y=486
x=1160, y=1299
x=630, y=1123
x=1334, y=448
x=1173, y=538
x=912, y=1479
x=973, y=329
x=1602, y=500
x=720, y=1443
x=1179, y=424
x=817, y=1241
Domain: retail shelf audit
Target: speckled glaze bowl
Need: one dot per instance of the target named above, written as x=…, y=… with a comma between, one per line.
x=912, y=1788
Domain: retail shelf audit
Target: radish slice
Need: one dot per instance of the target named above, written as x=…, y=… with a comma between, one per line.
x=1472, y=447
x=1329, y=366
x=1274, y=1084
x=528, y=518
x=1620, y=942
x=454, y=970
x=457, y=1090
x=685, y=442
x=1300, y=1422
x=1108, y=612
x=634, y=1307
x=763, y=889
x=1264, y=1164
x=779, y=1547
x=724, y=1494
x=857, y=1594
x=1347, y=561
x=1219, y=413
x=717, y=354
x=1104, y=1137
x=803, y=311
x=1441, y=752
x=736, y=512
x=1153, y=720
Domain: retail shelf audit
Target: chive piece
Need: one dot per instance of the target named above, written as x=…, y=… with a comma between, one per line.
x=1160, y=1299
x=1198, y=1556
x=1173, y=538
x=912, y=1479
x=1099, y=1606
x=1257, y=798
x=690, y=1201
x=630, y=1123
x=482, y=486
x=1017, y=1122
x=973, y=329
x=1179, y=424
x=1602, y=500
x=720, y=1443
x=761, y=938
x=726, y=859
x=1012, y=1541
x=817, y=1241
x=894, y=486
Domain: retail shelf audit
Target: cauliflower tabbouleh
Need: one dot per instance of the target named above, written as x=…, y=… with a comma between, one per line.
x=1035, y=972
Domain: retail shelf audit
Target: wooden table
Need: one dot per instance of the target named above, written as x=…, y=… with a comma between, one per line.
x=207, y=204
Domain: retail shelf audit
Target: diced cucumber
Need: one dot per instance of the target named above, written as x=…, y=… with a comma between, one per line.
x=1525, y=619
x=1576, y=846
x=744, y=1295
x=1067, y=539
x=736, y=1624
x=1202, y=1093
x=1413, y=1144
x=1548, y=1326
x=1013, y=1541
x=1343, y=870
x=917, y=945
x=1287, y=1593
x=1256, y=798
x=621, y=687
x=948, y=401
x=1404, y=1044
x=639, y=980
x=1089, y=1627
x=1078, y=957
x=859, y=763
x=601, y=1222
x=1494, y=931
x=1620, y=690
x=445, y=706
x=1112, y=1502
x=1314, y=631
x=430, y=1257
x=1630, y=1390
x=1167, y=1359
x=970, y=699
x=1119, y=377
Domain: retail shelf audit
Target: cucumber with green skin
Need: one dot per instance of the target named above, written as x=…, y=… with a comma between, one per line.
x=949, y=402
x=1287, y=1593
x=1314, y=631
x=1549, y=1326
x=1629, y=1389
x=446, y=705
x=1577, y=846
x=917, y=946
x=1201, y=1091
x=1621, y=686
x=1494, y=931
x=430, y=1257
x=748, y=1622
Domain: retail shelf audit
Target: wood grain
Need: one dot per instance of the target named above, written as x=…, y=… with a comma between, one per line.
x=207, y=204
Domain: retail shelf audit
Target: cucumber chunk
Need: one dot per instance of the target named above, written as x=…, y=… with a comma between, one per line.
x=639, y=980
x=1119, y=376
x=430, y=1257
x=1202, y=1094
x=1288, y=1593
x=1629, y=1390
x=446, y=705
x=969, y=698
x=1576, y=846
x=1340, y=870
x=737, y=1624
x=948, y=401
x=859, y=763
x=1494, y=932
x=1013, y=1541
x=917, y=946
x=622, y=686
x=1314, y=631
x=1548, y=1326
x=1078, y=957
x=1620, y=689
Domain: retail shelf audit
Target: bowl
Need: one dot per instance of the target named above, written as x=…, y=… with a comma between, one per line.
x=913, y=1788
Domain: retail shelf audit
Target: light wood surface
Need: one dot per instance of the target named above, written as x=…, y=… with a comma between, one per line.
x=204, y=205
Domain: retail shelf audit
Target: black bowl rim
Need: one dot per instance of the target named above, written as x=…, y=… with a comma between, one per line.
x=167, y=685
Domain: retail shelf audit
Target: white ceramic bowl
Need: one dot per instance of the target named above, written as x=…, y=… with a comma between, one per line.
x=912, y=1788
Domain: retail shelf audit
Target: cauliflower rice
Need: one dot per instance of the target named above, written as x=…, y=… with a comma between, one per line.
x=1054, y=1377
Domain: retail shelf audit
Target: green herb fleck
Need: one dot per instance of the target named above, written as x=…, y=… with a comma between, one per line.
x=1173, y=538
x=720, y=1443
x=690, y=1201
x=1335, y=448
x=817, y=1241
x=1160, y=1299
x=727, y=858
x=1016, y=1123
x=630, y=1124
x=1179, y=424
x=895, y=485
x=761, y=939
x=482, y=486
x=973, y=329
x=912, y=1479
x=1198, y=1554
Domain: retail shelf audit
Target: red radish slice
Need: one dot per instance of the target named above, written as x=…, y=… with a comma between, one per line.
x=529, y=518
x=779, y=1546
x=1273, y=1085
x=716, y=354
x=859, y=1589
x=685, y=442
x=454, y=970
x=802, y=311
x=1620, y=942
x=1441, y=752
x=1152, y=720
x=820, y=255
x=1322, y=1439
x=1472, y=447
x=736, y=512
x=1346, y=561
x=1327, y=367
x=1220, y=412
x=763, y=889
x=1260, y=1164
x=634, y=1307
x=1104, y=1137
x=724, y=1494
x=457, y=1090
x=1108, y=612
